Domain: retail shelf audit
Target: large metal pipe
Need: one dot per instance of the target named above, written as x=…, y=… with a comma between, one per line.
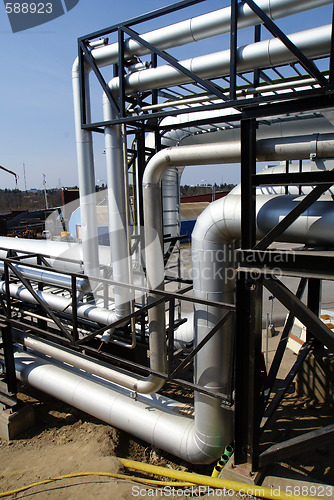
x=60, y=303
x=56, y=251
x=49, y=277
x=217, y=352
x=117, y=211
x=155, y=419
x=85, y=158
x=204, y=26
x=315, y=42
x=197, y=28
x=123, y=378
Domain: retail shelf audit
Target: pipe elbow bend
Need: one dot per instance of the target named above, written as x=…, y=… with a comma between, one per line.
x=204, y=449
x=212, y=224
x=156, y=168
x=149, y=385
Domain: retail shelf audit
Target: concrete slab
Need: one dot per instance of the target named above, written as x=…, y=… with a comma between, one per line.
x=280, y=480
x=13, y=422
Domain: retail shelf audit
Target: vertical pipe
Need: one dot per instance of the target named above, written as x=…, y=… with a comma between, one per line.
x=117, y=210
x=86, y=177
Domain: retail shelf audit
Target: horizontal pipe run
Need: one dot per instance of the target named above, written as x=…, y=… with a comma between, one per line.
x=49, y=277
x=315, y=42
x=55, y=252
x=155, y=419
x=281, y=148
x=61, y=304
x=141, y=385
x=201, y=27
x=305, y=82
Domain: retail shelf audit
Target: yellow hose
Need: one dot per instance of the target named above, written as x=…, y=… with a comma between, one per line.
x=222, y=484
x=107, y=474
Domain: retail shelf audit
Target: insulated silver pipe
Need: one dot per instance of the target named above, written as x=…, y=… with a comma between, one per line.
x=171, y=203
x=54, y=252
x=194, y=29
x=117, y=211
x=85, y=158
x=204, y=26
x=57, y=250
x=217, y=352
x=123, y=378
x=60, y=303
x=315, y=42
x=49, y=277
x=155, y=419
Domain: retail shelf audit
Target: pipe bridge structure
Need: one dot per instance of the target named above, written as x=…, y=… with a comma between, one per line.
x=117, y=330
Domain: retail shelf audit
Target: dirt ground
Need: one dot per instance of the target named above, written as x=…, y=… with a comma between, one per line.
x=67, y=441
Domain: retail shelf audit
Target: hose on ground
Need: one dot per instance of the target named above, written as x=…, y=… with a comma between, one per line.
x=152, y=482
x=214, y=482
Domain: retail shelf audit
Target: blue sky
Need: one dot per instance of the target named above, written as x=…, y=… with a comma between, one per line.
x=37, y=125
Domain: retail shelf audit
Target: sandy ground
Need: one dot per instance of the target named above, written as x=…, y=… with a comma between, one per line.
x=67, y=441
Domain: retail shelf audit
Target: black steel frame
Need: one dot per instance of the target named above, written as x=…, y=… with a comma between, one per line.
x=60, y=333
x=253, y=406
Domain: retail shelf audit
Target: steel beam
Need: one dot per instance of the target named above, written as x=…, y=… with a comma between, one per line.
x=298, y=445
x=318, y=328
x=272, y=374
x=285, y=385
x=39, y=301
x=233, y=49
x=313, y=300
x=191, y=355
x=248, y=193
x=121, y=72
x=89, y=58
x=290, y=262
x=307, y=64
x=248, y=370
x=294, y=178
x=144, y=17
x=7, y=342
x=210, y=87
